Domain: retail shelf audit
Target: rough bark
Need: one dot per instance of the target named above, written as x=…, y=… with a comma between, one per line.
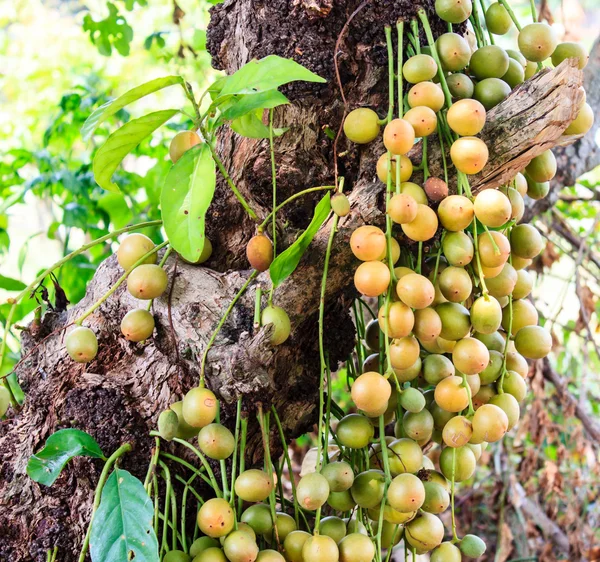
x=118, y=396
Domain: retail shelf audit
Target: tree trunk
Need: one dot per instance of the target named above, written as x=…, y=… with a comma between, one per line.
x=118, y=396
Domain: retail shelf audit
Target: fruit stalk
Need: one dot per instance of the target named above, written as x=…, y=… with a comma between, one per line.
x=511, y=14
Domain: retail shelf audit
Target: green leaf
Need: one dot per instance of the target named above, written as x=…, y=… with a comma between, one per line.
x=267, y=74
x=122, y=142
x=122, y=526
x=110, y=108
x=114, y=31
x=185, y=198
x=286, y=262
x=10, y=284
x=46, y=466
x=251, y=126
x=252, y=102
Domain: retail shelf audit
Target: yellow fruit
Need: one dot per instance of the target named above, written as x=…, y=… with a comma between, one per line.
x=466, y=117
x=469, y=154
x=398, y=136
x=372, y=278
x=402, y=208
x=423, y=120
x=424, y=226
x=368, y=243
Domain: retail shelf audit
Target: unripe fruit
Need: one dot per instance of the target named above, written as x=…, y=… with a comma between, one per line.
x=491, y=91
x=494, y=249
x=526, y=241
x=456, y=212
x=516, y=362
x=405, y=375
x=405, y=456
x=569, y=50
x=412, y=400
x=469, y=154
x=402, y=208
x=216, y=441
x=367, y=489
x=460, y=85
x=453, y=11
x=293, y=544
x=216, y=518
x=168, y=423
x=133, y=248
x=466, y=117
x=491, y=373
x=202, y=544
x=204, y=254
x=521, y=184
x=436, y=368
x=523, y=314
x=258, y=517
x=455, y=318
x=354, y=431
x=517, y=204
x=240, y=547
x=176, y=556
x=372, y=335
x=406, y=169
x=533, y=342
x=437, y=498
x=181, y=143
x=509, y=405
x=454, y=51
x=426, y=531
x=427, y=94
x=492, y=208
x=356, y=547
x=451, y=395
x=424, y=226
x=537, y=41
x=371, y=392
x=253, y=485
x=537, y=190
x=582, y=123
x=341, y=501
x=213, y=554
x=406, y=493
x=81, y=344
x=515, y=74
x=372, y=278
x=147, y=281
x=428, y=325
x=524, y=284
x=418, y=426
x=398, y=136
x=470, y=356
x=199, y=407
x=396, y=320
x=269, y=555
x=4, y=400
x=368, y=243
x=446, y=552
x=455, y=284
x=503, y=284
x=490, y=61
x=419, y=68
x=137, y=325
x=514, y=384
x=340, y=205
x=278, y=318
x=497, y=19
x=322, y=548
x=184, y=429
x=543, y=167
x=490, y=424
x=259, y=252
x=483, y=396
x=312, y=491
x=486, y=315
x=361, y=125
x=415, y=290
x=333, y=527
x=472, y=546
x=493, y=341
x=339, y=475
x=284, y=524
x=465, y=464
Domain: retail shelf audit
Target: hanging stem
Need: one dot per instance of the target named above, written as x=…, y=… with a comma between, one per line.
x=263, y=421
x=274, y=181
x=400, y=33
x=484, y=288
x=153, y=462
x=452, y=494
x=390, y=53
x=511, y=14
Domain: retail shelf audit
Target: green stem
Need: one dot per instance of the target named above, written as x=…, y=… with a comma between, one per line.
x=465, y=384
x=190, y=96
x=164, y=545
x=490, y=34
x=452, y=495
x=263, y=421
x=533, y=11
x=214, y=335
x=484, y=288
x=415, y=31
x=196, y=471
x=400, y=33
x=424, y=163
x=152, y=466
x=204, y=462
x=390, y=53
x=125, y=448
x=274, y=181
x=238, y=421
x=167, y=478
x=162, y=262
x=511, y=14
x=244, y=431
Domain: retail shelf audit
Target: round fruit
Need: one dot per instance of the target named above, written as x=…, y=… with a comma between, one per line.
x=537, y=41
x=453, y=11
x=516, y=362
x=456, y=323
x=406, y=168
x=427, y=94
x=582, y=123
x=137, y=325
x=457, y=431
x=516, y=55
x=436, y=368
x=455, y=284
x=543, y=167
x=147, y=281
x=409, y=374
x=491, y=91
x=396, y=320
x=278, y=318
x=524, y=284
x=492, y=208
x=570, y=50
x=202, y=544
x=293, y=545
x=133, y=248
x=361, y=125
x=372, y=335
x=533, y=342
x=418, y=426
x=339, y=475
x=415, y=290
x=521, y=184
x=514, y=384
x=405, y=456
x=415, y=191
x=371, y=392
x=537, y=190
x=494, y=248
x=437, y=498
x=469, y=154
x=216, y=441
x=423, y=120
x=462, y=467
x=412, y=400
x=368, y=243
x=269, y=555
x=367, y=489
x=402, y=208
x=168, y=423
x=472, y=546
x=356, y=547
x=284, y=525
x=486, y=315
x=466, y=117
x=259, y=518
x=181, y=143
x=428, y=324
x=212, y=554
x=490, y=61
x=490, y=424
x=340, y=205
x=419, y=68
x=216, y=518
x=469, y=356
x=81, y=344
x=436, y=189
x=406, y=493
x=426, y=531
x=517, y=204
x=424, y=226
x=523, y=314
x=526, y=241
x=503, y=284
x=312, y=491
x=253, y=485
x=372, y=278
x=497, y=19
x=451, y=395
x=176, y=556
x=460, y=86
x=456, y=213
x=320, y=547
x=204, y=254
x=454, y=51
x=354, y=431
x=184, y=429
x=240, y=547
x=259, y=252
x=398, y=136
x=333, y=527
x=509, y=405
x=199, y=407
x=341, y=501
x=515, y=74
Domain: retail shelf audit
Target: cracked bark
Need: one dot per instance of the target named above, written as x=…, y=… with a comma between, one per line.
x=118, y=396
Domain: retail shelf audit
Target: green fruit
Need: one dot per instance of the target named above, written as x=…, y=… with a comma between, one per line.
x=537, y=190
x=497, y=19
x=515, y=74
x=216, y=441
x=202, y=544
x=491, y=373
x=269, y=556
x=253, y=485
x=569, y=50
x=390, y=534
x=425, y=532
x=147, y=281
x=454, y=51
x=530, y=70
x=453, y=11
x=204, y=254
x=176, y=556
x=404, y=375
x=455, y=284
x=216, y=518
x=341, y=501
x=486, y=315
x=81, y=344
x=516, y=55
x=239, y=546
x=460, y=85
x=514, y=384
x=367, y=489
x=340, y=205
x=321, y=548
x=259, y=518
x=184, y=429
x=419, y=68
x=491, y=91
x=516, y=362
x=418, y=426
x=524, y=285
x=464, y=465
x=493, y=341
x=312, y=491
x=446, y=552
x=440, y=416
x=293, y=545
x=361, y=125
x=503, y=284
x=356, y=547
x=168, y=425
x=137, y=325
x=537, y=41
x=490, y=61
x=526, y=241
x=582, y=123
x=437, y=367
x=456, y=321
x=284, y=524
x=372, y=332
x=333, y=527
x=523, y=314
x=4, y=400
x=437, y=498
x=543, y=167
x=458, y=248
x=412, y=400
x=278, y=317
x=354, y=431
x=405, y=455
x=472, y=546
x=212, y=554
x=133, y=248
x=339, y=475
x=199, y=407
x=509, y=405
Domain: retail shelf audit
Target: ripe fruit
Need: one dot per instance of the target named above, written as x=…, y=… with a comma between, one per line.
x=533, y=342
x=490, y=61
x=537, y=41
x=492, y=208
x=396, y=320
x=181, y=143
x=133, y=248
x=423, y=120
x=424, y=226
x=426, y=531
x=269, y=555
x=451, y=395
x=415, y=191
x=494, y=248
x=469, y=356
x=419, y=68
x=455, y=284
x=460, y=85
x=168, y=424
x=312, y=491
x=372, y=278
x=497, y=19
x=81, y=344
x=293, y=544
x=454, y=51
x=436, y=189
x=526, y=241
x=371, y=392
x=406, y=493
x=253, y=485
x=543, y=167
x=415, y=290
x=402, y=209
x=469, y=154
x=490, y=424
x=216, y=441
x=456, y=212
x=368, y=243
x=356, y=547
x=570, y=50
x=216, y=518
x=428, y=325
x=278, y=318
x=466, y=117
x=361, y=125
x=491, y=91
x=464, y=464
x=453, y=11
x=354, y=431
x=398, y=136
x=406, y=168
x=239, y=546
x=428, y=94
x=457, y=431
x=582, y=123
x=137, y=325
x=320, y=547
x=199, y=407
x=259, y=252
x=147, y=281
